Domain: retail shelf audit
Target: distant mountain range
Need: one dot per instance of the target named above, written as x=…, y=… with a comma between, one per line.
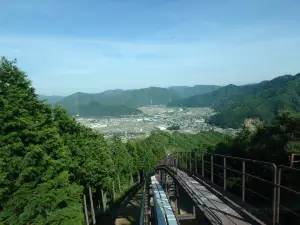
x=236, y=103
x=51, y=99
x=79, y=102
x=185, y=91
x=232, y=103
x=96, y=109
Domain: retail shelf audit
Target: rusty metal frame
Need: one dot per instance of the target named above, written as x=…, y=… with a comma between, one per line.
x=243, y=174
x=279, y=187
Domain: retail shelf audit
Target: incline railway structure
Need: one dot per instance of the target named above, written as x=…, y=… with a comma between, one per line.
x=190, y=188
x=224, y=190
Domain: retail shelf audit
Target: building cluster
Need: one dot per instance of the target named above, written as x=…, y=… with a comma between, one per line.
x=154, y=118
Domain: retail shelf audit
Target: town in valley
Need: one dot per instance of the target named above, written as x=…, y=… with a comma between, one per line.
x=154, y=118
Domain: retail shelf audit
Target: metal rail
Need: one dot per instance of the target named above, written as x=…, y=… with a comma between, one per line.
x=190, y=162
x=142, y=207
x=205, y=207
x=242, y=173
x=289, y=190
x=145, y=218
x=164, y=211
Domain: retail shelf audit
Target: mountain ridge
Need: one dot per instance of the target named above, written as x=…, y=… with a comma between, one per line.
x=131, y=98
x=96, y=109
x=50, y=99
x=263, y=100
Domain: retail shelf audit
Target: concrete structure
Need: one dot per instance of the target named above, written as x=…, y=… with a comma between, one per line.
x=163, y=209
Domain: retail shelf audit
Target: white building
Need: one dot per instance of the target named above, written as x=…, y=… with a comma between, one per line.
x=160, y=127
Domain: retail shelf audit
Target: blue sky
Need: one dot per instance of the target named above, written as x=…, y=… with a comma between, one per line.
x=67, y=46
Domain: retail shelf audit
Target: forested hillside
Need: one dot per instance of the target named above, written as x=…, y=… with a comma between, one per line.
x=185, y=142
x=264, y=105
x=117, y=102
x=229, y=94
x=270, y=143
x=185, y=91
x=47, y=159
x=131, y=98
x=96, y=109
x=236, y=103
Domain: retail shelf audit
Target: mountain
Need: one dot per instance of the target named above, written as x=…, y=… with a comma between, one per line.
x=131, y=98
x=145, y=96
x=185, y=91
x=112, y=93
x=136, y=97
x=264, y=105
x=96, y=109
x=50, y=99
x=228, y=94
x=236, y=103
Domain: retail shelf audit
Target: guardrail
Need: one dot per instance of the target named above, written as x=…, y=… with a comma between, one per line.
x=216, y=166
x=144, y=216
x=290, y=191
x=292, y=159
x=206, y=209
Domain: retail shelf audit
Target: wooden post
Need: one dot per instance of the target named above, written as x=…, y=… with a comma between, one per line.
x=103, y=195
x=196, y=166
x=98, y=200
x=292, y=160
x=92, y=205
x=202, y=165
x=86, y=211
x=119, y=183
x=191, y=162
x=131, y=179
x=166, y=184
x=177, y=209
x=212, y=168
x=114, y=193
x=139, y=177
x=105, y=199
x=186, y=161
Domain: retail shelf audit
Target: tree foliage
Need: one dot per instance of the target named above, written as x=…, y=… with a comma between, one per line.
x=34, y=175
x=269, y=143
x=47, y=159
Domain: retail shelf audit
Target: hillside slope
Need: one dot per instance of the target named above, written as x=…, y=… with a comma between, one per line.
x=96, y=109
x=236, y=103
x=264, y=105
x=185, y=91
x=229, y=94
x=136, y=97
x=131, y=98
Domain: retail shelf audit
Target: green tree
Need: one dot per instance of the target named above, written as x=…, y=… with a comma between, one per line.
x=33, y=158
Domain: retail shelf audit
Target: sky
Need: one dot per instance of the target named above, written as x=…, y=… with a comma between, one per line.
x=67, y=46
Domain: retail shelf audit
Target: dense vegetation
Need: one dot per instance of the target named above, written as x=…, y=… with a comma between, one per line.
x=269, y=143
x=184, y=142
x=47, y=159
x=173, y=127
x=96, y=109
x=236, y=103
x=185, y=91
